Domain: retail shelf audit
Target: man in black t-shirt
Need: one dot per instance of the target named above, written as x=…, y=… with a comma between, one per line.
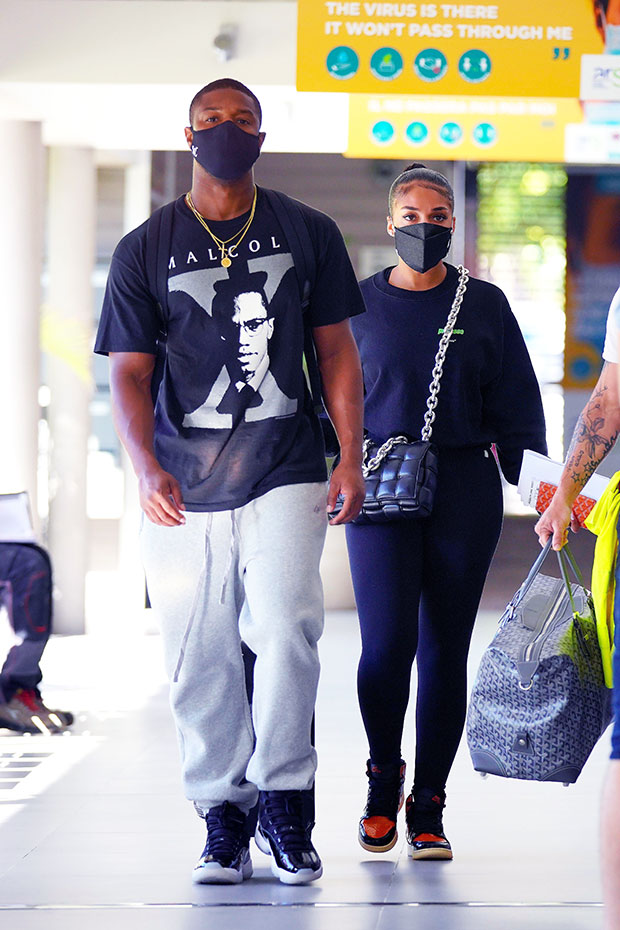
x=231, y=471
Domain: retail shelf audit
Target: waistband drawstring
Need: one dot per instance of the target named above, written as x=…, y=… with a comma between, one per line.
x=231, y=556
x=198, y=598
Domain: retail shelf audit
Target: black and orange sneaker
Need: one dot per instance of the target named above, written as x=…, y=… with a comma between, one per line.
x=424, y=814
x=377, y=829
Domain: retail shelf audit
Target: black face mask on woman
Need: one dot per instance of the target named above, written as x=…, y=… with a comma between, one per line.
x=226, y=151
x=422, y=245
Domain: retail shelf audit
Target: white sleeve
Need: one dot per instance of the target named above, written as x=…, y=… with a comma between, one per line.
x=610, y=349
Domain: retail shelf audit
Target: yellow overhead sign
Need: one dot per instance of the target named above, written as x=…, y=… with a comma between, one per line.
x=506, y=48
x=458, y=128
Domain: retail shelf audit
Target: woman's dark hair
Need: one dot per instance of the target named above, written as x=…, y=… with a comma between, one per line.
x=220, y=85
x=425, y=177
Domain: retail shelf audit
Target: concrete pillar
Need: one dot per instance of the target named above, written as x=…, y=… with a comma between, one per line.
x=137, y=208
x=21, y=242
x=68, y=324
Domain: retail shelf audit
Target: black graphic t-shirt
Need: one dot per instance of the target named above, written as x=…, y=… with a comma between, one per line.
x=233, y=415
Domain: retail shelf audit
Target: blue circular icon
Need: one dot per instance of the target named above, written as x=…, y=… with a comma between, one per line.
x=383, y=132
x=430, y=64
x=582, y=368
x=417, y=133
x=342, y=62
x=386, y=64
x=474, y=66
x=485, y=134
x=451, y=133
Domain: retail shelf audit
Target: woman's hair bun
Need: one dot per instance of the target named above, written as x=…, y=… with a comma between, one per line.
x=417, y=173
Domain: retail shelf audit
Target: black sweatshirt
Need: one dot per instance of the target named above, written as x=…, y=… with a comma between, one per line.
x=489, y=393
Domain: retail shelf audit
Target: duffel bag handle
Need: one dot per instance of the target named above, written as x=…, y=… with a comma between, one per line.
x=566, y=553
x=566, y=556
x=527, y=584
x=563, y=555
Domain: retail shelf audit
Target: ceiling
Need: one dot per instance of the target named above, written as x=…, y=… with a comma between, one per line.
x=119, y=74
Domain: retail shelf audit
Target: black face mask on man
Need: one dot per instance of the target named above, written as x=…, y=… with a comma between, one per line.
x=422, y=245
x=226, y=151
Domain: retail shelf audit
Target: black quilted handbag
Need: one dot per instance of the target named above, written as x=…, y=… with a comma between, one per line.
x=401, y=474
x=402, y=483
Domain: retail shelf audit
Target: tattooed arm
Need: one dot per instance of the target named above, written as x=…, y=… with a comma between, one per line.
x=594, y=436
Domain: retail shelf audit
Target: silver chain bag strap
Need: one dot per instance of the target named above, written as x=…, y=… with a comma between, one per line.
x=401, y=474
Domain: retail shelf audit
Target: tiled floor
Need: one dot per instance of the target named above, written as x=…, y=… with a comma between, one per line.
x=95, y=833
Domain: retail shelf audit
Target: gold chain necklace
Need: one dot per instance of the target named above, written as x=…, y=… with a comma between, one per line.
x=222, y=244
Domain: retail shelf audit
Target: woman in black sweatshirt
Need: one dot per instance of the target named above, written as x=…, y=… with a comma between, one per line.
x=418, y=582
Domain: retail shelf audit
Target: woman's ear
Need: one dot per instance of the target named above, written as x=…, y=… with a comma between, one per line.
x=390, y=226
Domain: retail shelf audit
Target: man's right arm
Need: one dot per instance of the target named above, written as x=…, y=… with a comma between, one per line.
x=132, y=409
x=594, y=436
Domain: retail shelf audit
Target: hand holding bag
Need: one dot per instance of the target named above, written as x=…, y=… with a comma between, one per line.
x=539, y=701
x=401, y=474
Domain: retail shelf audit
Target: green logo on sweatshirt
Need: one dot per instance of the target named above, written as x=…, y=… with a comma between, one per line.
x=455, y=332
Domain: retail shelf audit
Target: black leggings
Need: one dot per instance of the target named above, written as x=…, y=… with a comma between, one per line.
x=417, y=586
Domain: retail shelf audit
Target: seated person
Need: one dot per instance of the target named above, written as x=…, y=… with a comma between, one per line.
x=26, y=595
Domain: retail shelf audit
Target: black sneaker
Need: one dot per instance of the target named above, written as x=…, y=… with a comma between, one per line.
x=425, y=836
x=377, y=828
x=225, y=859
x=31, y=697
x=283, y=832
x=16, y=716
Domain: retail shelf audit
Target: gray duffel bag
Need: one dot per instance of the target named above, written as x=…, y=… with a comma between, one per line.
x=539, y=701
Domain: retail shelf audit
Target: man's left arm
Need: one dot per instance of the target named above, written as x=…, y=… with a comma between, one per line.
x=341, y=376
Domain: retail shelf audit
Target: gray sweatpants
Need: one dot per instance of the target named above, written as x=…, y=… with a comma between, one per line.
x=248, y=574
